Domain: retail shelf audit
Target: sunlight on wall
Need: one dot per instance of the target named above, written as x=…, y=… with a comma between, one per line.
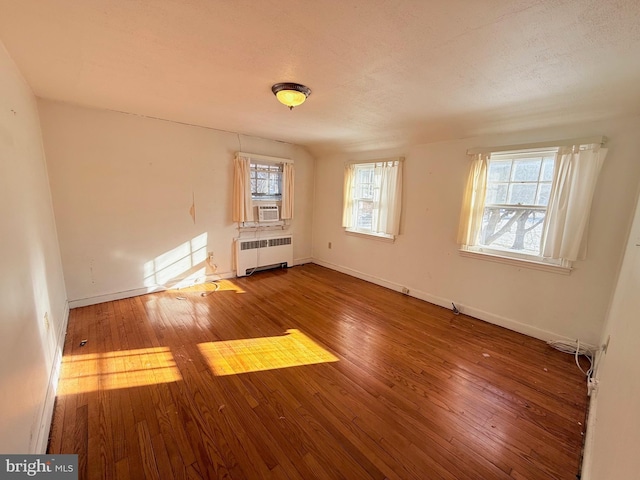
x=177, y=262
x=123, y=369
x=266, y=353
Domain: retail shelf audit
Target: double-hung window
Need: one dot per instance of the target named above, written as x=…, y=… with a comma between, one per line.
x=531, y=204
x=266, y=181
x=363, y=198
x=260, y=183
x=372, y=198
x=518, y=189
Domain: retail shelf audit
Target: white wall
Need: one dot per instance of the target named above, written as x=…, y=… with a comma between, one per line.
x=614, y=419
x=425, y=257
x=123, y=186
x=31, y=284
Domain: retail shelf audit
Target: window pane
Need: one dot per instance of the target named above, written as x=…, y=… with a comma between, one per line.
x=526, y=170
x=547, y=169
x=266, y=181
x=497, y=193
x=262, y=186
x=522, y=193
x=517, y=229
x=499, y=171
x=365, y=175
x=544, y=191
x=274, y=184
x=363, y=215
x=365, y=191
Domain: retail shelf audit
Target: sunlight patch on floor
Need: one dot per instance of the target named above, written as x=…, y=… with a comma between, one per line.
x=217, y=286
x=294, y=349
x=119, y=369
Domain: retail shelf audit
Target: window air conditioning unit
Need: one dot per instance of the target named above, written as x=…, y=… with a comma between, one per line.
x=268, y=213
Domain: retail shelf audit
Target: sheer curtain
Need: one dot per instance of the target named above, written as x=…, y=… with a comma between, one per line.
x=242, y=207
x=388, y=198
x=347, y=196
x=473, y=203
x=287, y=191
x=575, y=178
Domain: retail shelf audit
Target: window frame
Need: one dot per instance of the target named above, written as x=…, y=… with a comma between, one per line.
x=354, y=230
x=504, y=254
x=268, y=168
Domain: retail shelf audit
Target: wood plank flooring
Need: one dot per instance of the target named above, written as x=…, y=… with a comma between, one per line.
x=306, y=373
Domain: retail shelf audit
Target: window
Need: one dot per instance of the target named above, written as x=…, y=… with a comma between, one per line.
x=257, y=178
x=266, y=182
x=531, y=204
x=517, y=196
x=372, y=198
x=363, y=198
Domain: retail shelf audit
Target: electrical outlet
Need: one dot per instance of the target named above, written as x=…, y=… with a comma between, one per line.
x=46, y=319
x=405, y=290
x=592, y=386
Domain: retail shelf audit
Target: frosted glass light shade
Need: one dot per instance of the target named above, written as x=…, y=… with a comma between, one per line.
x=291, y=94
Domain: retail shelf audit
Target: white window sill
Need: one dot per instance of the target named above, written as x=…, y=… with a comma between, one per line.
x=276, y=201
x=518, y=262
x=374, y=236
x=260, y=226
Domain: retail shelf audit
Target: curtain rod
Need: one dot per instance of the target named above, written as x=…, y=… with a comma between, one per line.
x=601, y=140
x=357, y=162
x=264, y=157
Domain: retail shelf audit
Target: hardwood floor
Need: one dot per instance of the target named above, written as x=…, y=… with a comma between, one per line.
x=307, y=373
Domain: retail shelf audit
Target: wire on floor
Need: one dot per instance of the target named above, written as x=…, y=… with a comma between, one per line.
x=577, y=349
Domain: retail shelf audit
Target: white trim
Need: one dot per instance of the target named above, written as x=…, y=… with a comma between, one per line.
x=505, y=322
x=280, y=225
x=46, y=417
x=108, y=297
x=539, y=145
x=518, y=262
x=587, y=456
x=362, y=276
x=302, y=261
x=384, y=237
x=374, y=162
x=264, y=158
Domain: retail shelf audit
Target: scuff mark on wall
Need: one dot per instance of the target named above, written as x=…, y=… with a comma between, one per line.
x=192, y=210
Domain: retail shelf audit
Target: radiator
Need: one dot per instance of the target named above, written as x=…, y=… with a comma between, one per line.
x=262, y=253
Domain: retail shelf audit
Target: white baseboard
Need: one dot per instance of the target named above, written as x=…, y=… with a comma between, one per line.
x=501, y=321
x=108, y=297
x=587, y=454
x=362, y=276
x=46, y=417
x=302, y=261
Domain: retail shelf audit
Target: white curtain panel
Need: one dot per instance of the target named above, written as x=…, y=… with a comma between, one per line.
x=570, y=202
x=388, y=201
x=347, y=196
x=473, y=203
x=287, y=191
x=242, y=207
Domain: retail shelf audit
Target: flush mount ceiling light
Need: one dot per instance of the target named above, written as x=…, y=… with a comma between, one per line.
x=291, y=94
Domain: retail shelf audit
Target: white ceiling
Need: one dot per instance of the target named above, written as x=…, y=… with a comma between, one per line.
x=383, y=72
